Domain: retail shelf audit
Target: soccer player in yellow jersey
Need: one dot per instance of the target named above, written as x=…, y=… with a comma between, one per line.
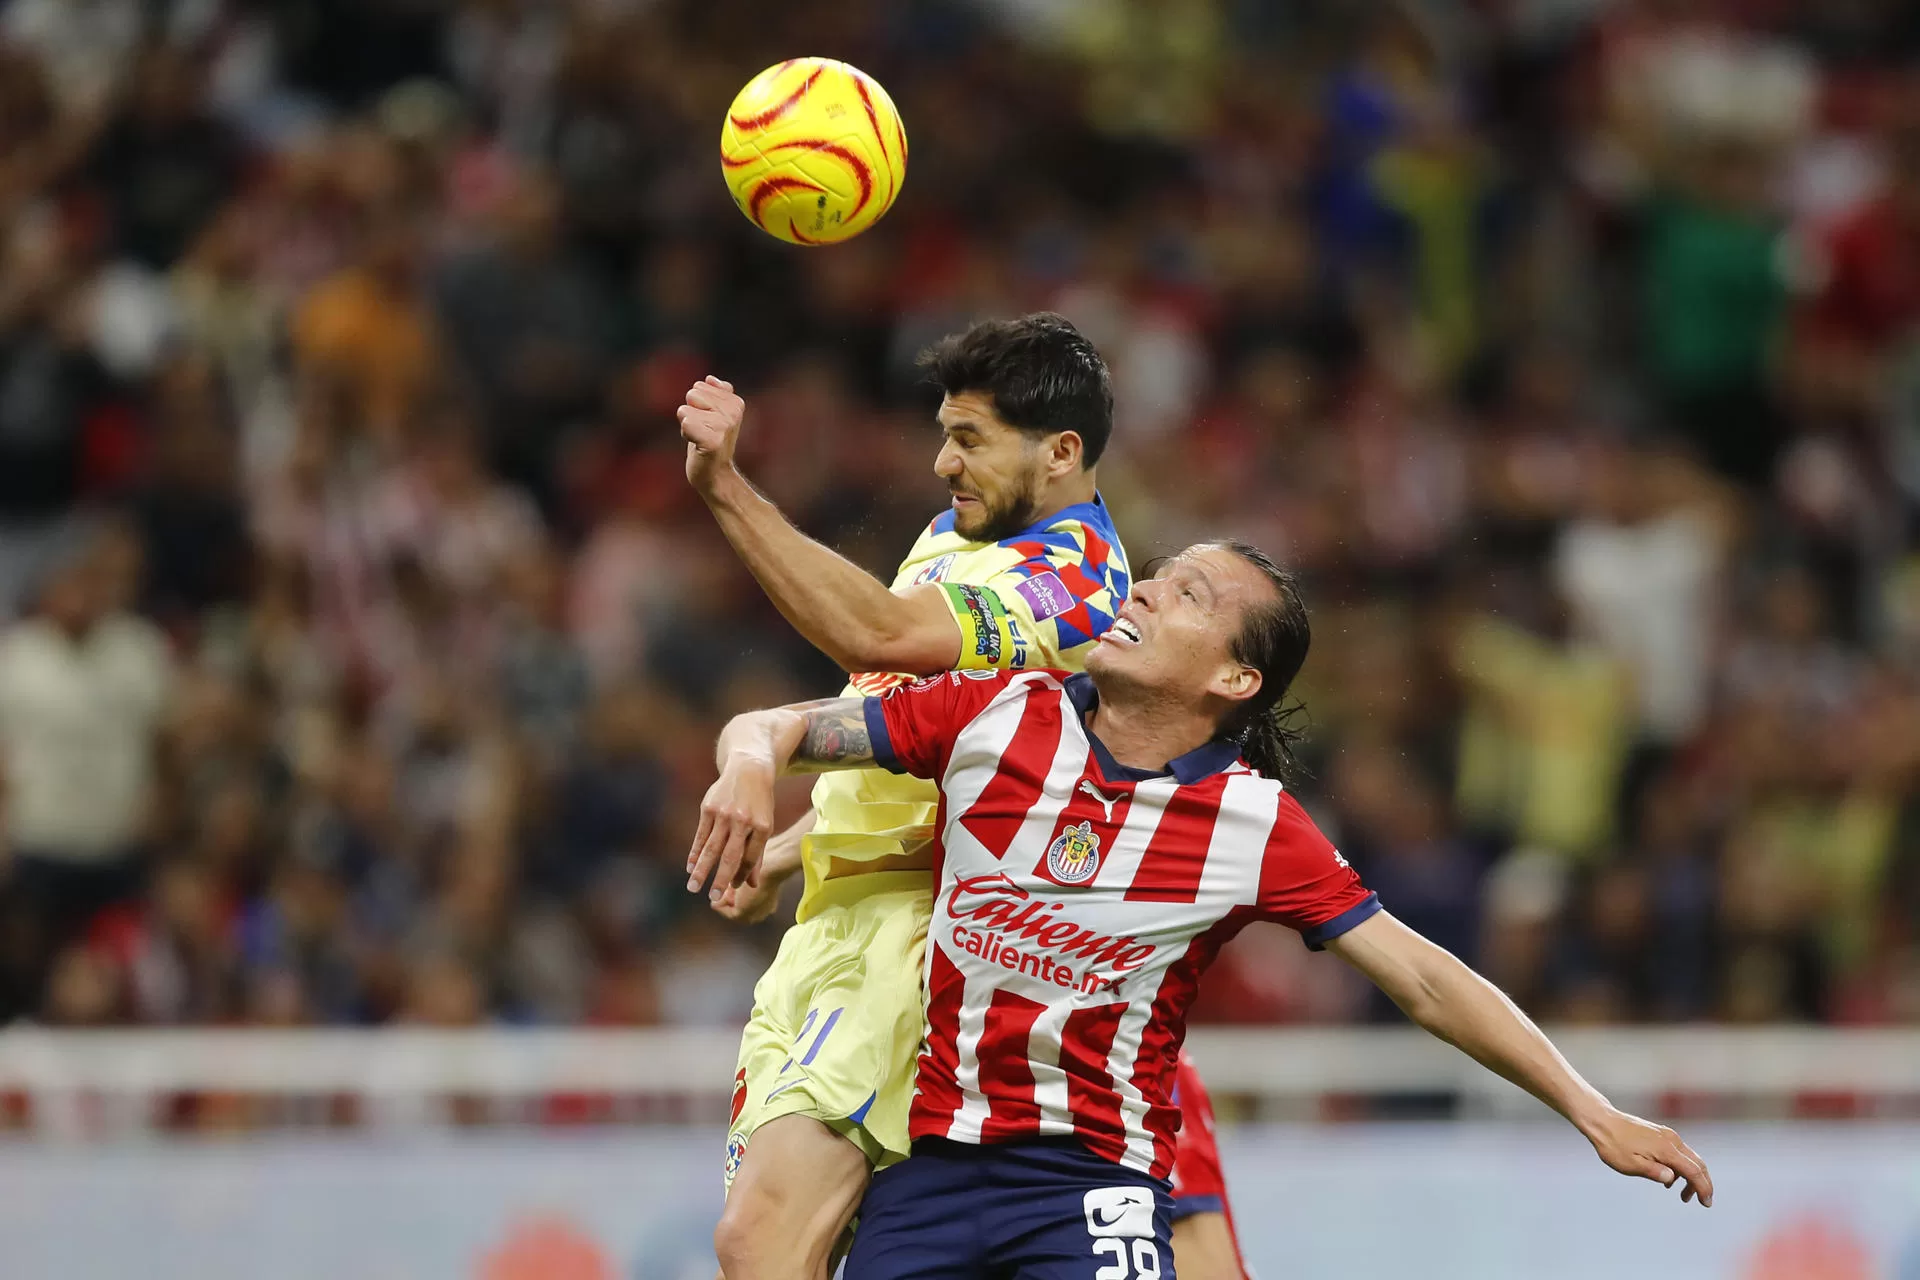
x=1023, y=570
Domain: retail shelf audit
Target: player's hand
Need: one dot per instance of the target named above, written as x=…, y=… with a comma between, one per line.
x=735, y=819
x=710, y=424
x=1641, y=1149
x=750, y=903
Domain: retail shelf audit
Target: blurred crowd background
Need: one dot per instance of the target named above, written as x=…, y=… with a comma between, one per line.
x=365, y=647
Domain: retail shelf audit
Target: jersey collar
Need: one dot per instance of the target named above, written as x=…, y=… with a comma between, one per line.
x=1203, y=761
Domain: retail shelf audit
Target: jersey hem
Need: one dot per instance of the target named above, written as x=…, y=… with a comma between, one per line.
x=883, y=754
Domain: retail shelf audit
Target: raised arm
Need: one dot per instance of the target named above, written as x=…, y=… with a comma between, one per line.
x=841, y=609
x=1456, y=1004
x=754, y=750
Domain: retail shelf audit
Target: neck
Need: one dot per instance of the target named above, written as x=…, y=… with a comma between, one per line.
x=1143, y=730
x=74, y=629
x=1071, y=492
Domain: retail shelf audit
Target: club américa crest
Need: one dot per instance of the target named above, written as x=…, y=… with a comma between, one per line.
x=1074, y=855
x=736, y=1151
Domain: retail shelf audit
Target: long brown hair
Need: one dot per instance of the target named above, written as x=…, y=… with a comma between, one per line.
x=1273, y=639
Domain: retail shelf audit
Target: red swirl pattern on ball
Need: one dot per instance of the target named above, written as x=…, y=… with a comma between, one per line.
x=767, y=188
x=862, y=172
x=778, y=109
x=879, y=138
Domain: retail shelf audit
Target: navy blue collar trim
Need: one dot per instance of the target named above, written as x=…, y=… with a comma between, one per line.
x=1203, y=761
x=1093, y=513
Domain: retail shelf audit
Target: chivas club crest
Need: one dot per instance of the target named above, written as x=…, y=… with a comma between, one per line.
x=1075, y=855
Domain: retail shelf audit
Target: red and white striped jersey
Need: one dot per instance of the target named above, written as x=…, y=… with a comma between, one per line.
x=1078, y=902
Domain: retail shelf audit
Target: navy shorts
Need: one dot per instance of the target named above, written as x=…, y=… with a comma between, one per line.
x=1043, y=1209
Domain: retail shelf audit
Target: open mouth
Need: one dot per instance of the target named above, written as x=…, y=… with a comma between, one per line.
x=1123, y=632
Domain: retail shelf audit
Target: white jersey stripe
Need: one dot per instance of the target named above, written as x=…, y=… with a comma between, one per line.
x=975, y=760
x=1120, y=1063
x=1144, y=811
x=973, y=1110
x=1049, y=1081
x=1070, y=760
x=1231, y=875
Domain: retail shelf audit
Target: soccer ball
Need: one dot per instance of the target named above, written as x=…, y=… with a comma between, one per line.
x=813, y=151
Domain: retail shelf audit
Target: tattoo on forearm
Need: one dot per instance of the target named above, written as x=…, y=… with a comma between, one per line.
x=836, y=735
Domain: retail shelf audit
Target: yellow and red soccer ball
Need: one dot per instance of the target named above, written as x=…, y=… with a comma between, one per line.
x=813, y=151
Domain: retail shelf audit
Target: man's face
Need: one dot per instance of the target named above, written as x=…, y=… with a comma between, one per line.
x=995, y=472
x=1175, y=631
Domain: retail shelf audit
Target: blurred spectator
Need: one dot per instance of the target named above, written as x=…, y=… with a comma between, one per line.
x=189, y=508
x=163, y=166
x=1394, y=830
x=49, y=382
x=1639, y=569
x=527, y=324
x=370, y=327
x=87, y=46
x=84, y=688
x=1545, y=731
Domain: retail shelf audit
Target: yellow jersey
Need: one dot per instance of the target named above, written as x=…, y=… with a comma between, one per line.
x=1037, y=599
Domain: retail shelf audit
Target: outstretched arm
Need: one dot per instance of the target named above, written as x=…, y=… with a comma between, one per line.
x=1456, y=1004
x=753, y=751
x=840, y=608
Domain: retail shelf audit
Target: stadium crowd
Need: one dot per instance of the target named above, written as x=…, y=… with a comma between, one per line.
x=366, y=646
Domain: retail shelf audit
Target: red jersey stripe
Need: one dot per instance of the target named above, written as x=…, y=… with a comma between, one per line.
x=1006, y=1074
x=1085, y=1048
x=995, y=818
x=1171, y=868
x=937, y=1095
x=1158, y=1058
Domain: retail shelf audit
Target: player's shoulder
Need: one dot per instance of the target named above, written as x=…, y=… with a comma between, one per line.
x=990, y=681
x=1253, y=796
x=1294, y=838
x=1081, y=534
x=962, y=697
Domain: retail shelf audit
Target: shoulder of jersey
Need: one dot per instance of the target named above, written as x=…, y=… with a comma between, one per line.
x=1094, y=541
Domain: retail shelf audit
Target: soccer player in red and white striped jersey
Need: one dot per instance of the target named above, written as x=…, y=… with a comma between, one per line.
x=1100, y=836
x=1206, y=1245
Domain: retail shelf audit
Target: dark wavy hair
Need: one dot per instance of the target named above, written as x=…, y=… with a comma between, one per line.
x=1273, y=639
x=1041, y=373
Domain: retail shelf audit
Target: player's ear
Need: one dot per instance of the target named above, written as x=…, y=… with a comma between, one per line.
x=1237, y=683
x=1065, y=455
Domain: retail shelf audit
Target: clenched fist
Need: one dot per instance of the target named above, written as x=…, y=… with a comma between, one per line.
x=710, y=424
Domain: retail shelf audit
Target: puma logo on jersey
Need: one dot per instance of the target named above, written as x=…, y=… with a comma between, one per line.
x=1106, y=805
